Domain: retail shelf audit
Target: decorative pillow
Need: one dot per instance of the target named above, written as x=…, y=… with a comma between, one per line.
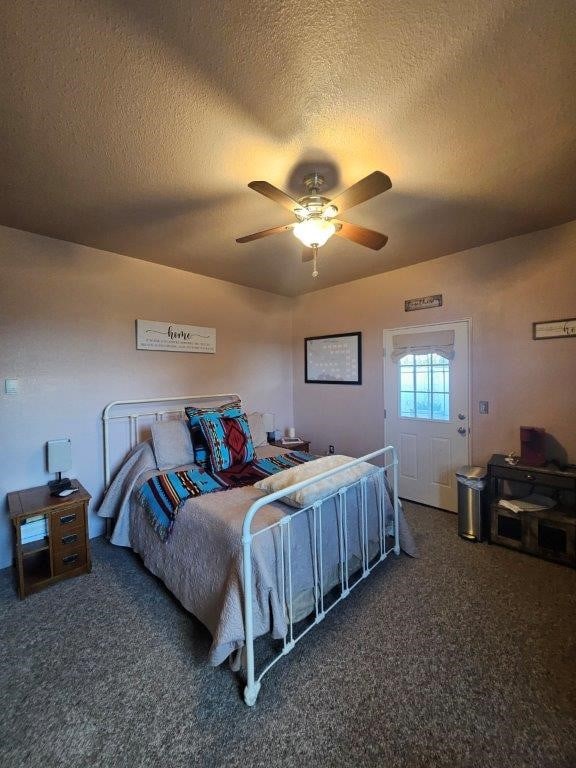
x=256, y=424
x=228, y=439
x=172, y=443
x=201, y=452
x=307, y=496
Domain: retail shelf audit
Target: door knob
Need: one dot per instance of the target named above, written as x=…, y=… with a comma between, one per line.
x=461, y=416
x=462, y=430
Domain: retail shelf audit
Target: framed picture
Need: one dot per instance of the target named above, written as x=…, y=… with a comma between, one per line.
x=335, y=359
x=554, y=329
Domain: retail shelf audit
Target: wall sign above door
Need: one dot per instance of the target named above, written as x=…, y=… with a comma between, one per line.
x=424, y=302
x=174, y=337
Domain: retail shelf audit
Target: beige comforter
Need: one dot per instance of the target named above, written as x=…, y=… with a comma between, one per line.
x=201, y=563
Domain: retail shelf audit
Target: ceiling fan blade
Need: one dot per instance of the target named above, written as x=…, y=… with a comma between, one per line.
x=363, y=190
x=265, y=233
x=268, y=190
x=307, y=255
x=361, y=235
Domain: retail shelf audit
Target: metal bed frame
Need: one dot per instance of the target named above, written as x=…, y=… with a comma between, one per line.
x=133, y=416
x=284, y=526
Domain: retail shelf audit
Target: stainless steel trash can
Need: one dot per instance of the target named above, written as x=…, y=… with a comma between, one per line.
x=471, y=483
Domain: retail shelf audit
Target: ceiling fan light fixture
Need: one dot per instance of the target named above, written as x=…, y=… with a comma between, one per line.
x=314, y=232
x=317, y=217
x=330, y=211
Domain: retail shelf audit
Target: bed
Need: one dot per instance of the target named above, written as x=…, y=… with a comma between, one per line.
x=249, y=562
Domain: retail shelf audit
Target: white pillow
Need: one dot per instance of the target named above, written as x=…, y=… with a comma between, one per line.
x=172, y=443
x=315, y=491
x=256, y=424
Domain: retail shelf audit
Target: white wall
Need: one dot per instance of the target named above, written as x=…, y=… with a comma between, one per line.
x=503, y=288
x=67, y=332
x=67, y=317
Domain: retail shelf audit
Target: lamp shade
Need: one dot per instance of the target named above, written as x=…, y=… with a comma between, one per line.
x=268, y=422
x=59, y=455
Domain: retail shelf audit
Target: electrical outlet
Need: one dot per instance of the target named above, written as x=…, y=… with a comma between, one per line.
x=330, y=449
x=483, y=406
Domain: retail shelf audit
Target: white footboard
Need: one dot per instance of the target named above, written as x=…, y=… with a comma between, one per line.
x=284, y=526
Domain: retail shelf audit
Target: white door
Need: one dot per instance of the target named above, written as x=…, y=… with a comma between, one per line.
x=426, y=396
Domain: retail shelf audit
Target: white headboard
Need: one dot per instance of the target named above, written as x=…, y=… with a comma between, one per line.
x=135, y=414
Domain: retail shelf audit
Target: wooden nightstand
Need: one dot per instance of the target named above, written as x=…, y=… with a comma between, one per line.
x=302, y=445
x=62, y=551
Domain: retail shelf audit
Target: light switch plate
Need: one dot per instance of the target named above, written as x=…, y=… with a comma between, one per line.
x=483, y=406
x=11, y=386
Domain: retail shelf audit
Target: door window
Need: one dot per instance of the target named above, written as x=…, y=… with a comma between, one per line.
x=424, y=387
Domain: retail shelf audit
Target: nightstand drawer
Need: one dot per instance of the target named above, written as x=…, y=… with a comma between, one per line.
x=69, y=559
x=67, y=519
x=532, y=476
x=67, y=540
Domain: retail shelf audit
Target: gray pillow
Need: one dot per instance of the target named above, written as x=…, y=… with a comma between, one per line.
x=172, y=443
x=257, y=430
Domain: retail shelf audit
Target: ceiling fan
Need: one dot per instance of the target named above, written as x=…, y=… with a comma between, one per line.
x=316, y=216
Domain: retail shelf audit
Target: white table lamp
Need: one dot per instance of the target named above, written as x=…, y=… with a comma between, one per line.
x=58, y=460
x=268, y=422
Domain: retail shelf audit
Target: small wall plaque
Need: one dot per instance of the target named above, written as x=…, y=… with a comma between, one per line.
x=424, y=302
x=174, y=337
x=554, y=329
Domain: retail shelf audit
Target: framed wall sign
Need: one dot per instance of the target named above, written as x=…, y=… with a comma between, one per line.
x=554, y=329
x=174, y=337
x=335, y=359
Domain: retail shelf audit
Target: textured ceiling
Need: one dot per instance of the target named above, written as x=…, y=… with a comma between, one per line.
x=135, y=125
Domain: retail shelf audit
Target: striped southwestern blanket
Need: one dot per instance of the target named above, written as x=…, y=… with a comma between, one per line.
x=163, y=495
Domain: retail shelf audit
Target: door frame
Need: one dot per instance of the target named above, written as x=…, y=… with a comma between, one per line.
x=468, y=322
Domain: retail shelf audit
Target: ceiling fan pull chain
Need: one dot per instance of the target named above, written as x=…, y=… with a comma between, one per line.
x=315, y=262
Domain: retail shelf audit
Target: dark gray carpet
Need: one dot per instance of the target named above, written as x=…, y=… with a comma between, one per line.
x=464, y=657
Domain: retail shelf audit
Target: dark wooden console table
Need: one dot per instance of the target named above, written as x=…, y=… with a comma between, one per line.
x=549, y=533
